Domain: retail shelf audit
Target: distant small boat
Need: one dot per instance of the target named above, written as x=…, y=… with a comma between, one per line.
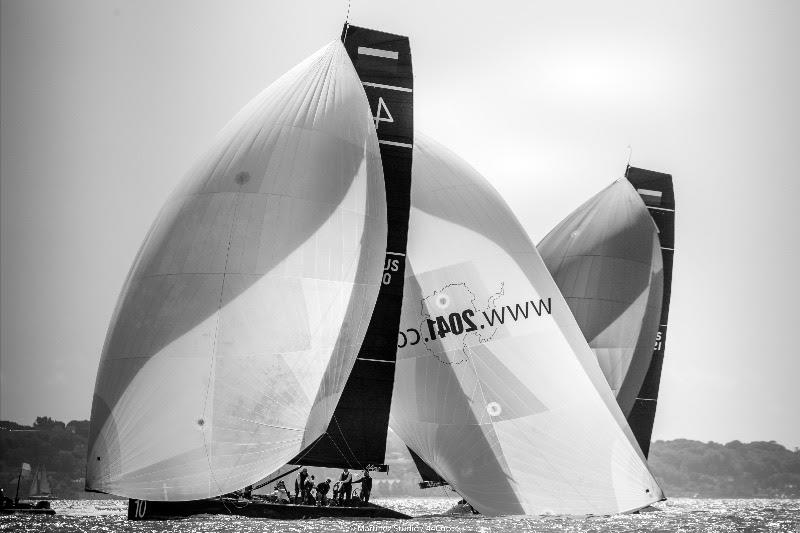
x=40, y=488
x=40, y=507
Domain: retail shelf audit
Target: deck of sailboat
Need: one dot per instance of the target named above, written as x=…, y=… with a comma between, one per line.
x=28, y=507
x=155, y=510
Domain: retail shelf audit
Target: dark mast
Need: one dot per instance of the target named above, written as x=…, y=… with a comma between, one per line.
x=356, y=435
x=658, y=195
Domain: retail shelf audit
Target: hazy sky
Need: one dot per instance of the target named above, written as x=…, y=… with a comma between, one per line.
x=105, y=104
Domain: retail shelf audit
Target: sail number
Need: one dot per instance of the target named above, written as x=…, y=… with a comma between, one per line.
x=391, y=265
x=659, y=342
x=382, y=114
x=141, y=508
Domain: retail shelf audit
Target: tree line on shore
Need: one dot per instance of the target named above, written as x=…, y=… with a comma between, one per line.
x=685, y=468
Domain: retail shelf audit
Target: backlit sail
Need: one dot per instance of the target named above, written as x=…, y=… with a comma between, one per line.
x=606, y=260
x=496, y=388
x=246, y=307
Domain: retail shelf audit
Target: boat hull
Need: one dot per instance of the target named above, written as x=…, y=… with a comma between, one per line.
x=41, y=507
x=155, y=510
x=28, y=511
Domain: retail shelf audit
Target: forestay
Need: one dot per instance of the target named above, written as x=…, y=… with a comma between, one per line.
x=246, y=306
x=495, y=387
x=606, y=260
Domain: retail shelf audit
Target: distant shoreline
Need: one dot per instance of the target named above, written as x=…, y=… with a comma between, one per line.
x=684, y=468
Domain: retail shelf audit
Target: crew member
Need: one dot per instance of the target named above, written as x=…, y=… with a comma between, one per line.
x=309, y=486
x=322, y=491
x=366, y=485
x=346, y=487
x=281, y=494
x=301, y=480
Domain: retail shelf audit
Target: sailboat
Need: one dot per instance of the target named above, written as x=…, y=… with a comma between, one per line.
x=496, y=388
x=612, y=261
x=658, y=194
x=258, y=324
x=39, y=490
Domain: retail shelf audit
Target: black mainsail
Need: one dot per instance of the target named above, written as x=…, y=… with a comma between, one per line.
x=656, y=191
x=356, y=435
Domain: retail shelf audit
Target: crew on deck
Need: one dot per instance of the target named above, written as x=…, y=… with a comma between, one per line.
x=346, y=486
x=308, y=492
x=322, y=491
x=366, y=485
x=300, y=483
x=309, y=488
x=280, y=493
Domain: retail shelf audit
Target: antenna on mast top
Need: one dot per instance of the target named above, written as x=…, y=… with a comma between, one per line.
x=628, y=164
x=346, y=22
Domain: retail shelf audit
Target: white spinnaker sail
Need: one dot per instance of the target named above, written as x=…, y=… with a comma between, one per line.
x=516, y=416
x=246, y=306
x=606, y=259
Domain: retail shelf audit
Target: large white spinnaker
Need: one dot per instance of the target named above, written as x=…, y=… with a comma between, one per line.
x=495, y=386
x=606, y=259
x=247, y=304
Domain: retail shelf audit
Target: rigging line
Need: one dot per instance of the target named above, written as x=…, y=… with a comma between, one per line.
x=333, y=441
x=346, y=22
x=630, y=155
x=346, y=443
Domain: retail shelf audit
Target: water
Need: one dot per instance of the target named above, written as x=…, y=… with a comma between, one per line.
x=675, y=515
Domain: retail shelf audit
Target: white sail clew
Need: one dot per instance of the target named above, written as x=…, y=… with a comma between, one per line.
x=508, y=402
x=606, y=259
x=244, y=311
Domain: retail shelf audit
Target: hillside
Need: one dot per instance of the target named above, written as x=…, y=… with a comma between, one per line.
x=684, y=467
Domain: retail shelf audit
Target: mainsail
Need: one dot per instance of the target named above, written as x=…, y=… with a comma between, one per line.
x=496, y=388
x=356, y=435
x=246, y=307
x=655, y=188
x=605, y=259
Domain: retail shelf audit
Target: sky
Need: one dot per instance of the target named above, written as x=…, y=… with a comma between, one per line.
x=105, y=104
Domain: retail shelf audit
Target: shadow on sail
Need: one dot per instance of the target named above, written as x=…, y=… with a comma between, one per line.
x=607, y=263
x=258, y=277
x=502, y=369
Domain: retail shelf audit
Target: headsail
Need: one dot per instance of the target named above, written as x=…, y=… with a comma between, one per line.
x=246, y=306
x=430, y=478
x=356, y=436
x=605, y=259
x=496, y=388
x=40, y=485
x=658, y=194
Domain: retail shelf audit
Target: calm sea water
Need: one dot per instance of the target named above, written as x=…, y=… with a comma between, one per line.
x=681, y=514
